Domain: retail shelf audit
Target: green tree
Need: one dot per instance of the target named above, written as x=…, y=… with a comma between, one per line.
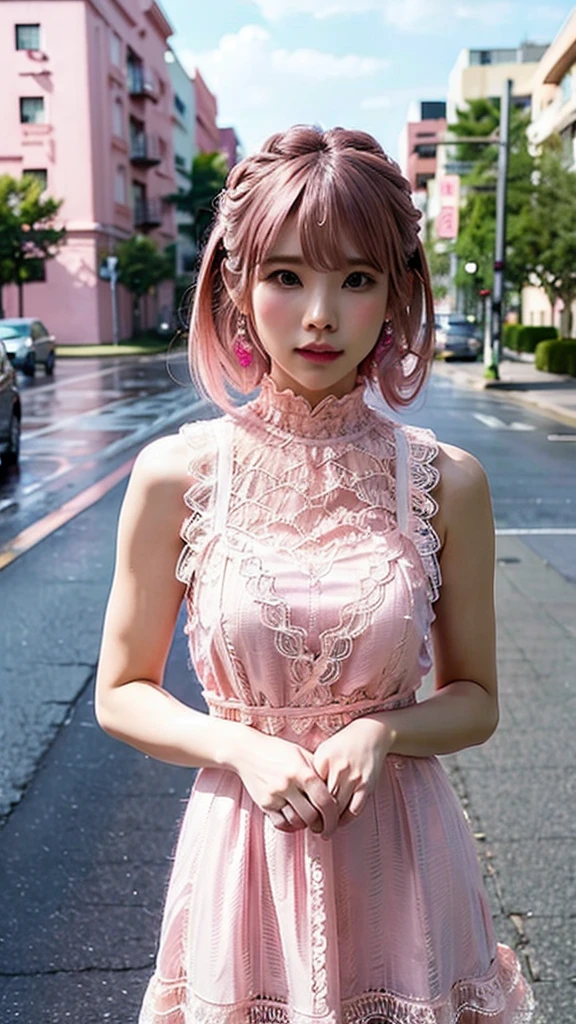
x=141, y=266
x=546, y=242
x=27, y=232
x=207, y=178
x=476, y=238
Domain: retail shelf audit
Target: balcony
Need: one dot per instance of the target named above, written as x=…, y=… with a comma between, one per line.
x=140, y=83
x=147, y=213
x=145, y=150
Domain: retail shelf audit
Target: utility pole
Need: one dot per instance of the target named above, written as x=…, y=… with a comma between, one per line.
x=500, y=247
x=112, y=264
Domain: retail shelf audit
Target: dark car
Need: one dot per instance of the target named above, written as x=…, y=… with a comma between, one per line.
x=456, y=337
x=28, y=342
x=10, y=412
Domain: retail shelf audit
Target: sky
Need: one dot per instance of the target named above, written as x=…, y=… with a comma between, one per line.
x=354, y=63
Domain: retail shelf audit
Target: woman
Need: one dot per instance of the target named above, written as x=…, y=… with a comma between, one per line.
x=324, y=871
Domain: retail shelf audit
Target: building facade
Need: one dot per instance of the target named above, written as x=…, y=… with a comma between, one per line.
x=480, y=74
x=554, y=112
x=207, y=134
x=425, y=128
x=94, y=120
x=185, y=149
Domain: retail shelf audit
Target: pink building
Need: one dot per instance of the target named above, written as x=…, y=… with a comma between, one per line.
x=425, y=127
x=87, y=105
x=230, y=145
x=207, y=133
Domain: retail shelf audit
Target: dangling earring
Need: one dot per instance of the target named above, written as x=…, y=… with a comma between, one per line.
x=243, y=349
x=385, y=340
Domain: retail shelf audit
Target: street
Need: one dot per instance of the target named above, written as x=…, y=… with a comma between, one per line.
x=89, y=825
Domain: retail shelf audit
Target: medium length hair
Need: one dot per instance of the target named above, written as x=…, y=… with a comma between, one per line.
x=343, y=189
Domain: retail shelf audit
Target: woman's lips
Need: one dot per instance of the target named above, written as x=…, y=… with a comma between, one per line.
x=318, y=356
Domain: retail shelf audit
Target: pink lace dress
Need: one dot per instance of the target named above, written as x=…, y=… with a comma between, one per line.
x=311, y=572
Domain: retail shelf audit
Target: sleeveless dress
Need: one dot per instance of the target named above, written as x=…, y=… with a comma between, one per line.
x=311, y=570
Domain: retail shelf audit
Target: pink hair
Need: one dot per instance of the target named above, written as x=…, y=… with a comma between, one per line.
x=343, y=188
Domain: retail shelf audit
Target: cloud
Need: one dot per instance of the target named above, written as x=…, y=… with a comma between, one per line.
x=262, y=88
x=376, y=102
x=408, y=15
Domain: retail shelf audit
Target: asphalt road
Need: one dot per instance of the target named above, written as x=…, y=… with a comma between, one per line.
x=85, y=852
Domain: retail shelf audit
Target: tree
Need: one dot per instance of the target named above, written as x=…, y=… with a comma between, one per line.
x=476, y=239
x=27, y=231
x=207, y=179
x=141, y=266
x=546, y=242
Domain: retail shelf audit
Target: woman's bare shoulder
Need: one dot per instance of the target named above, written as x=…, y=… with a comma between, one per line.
x=462, y=491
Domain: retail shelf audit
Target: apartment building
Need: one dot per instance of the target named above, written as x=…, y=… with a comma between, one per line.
x=554, y=112
x=481, y=74
x=88, y=107
x=424, y=129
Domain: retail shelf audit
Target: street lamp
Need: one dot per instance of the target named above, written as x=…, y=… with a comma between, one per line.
x=470, y=267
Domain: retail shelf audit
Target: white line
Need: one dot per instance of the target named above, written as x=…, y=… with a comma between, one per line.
x=521, y=426
x=562, y=437
x=538, y=532
x=490, y=421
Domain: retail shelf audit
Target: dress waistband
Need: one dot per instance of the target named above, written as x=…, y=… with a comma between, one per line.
x=250, y=714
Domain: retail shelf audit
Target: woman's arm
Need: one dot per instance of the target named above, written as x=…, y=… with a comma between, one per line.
x=140, y=618
x=463, y=711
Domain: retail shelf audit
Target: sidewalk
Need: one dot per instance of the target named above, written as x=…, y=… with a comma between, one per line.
x=548, y=393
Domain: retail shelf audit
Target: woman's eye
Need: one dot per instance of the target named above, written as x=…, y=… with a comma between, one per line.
x=287, y=278
x=359, y=280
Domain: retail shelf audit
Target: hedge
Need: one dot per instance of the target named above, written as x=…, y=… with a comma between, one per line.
x=510, y=335
x=557, y=355
x=527, y=338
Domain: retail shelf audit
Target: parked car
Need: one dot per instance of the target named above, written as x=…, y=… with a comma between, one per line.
x=456, y=337
x=28, y=342
x=10, y=412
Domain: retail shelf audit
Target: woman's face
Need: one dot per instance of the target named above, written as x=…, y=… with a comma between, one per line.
x=316, y=326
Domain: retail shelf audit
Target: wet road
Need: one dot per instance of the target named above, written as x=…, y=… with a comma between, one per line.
x=86, y=853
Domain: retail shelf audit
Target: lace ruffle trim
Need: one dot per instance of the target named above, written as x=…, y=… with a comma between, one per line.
x=291, y=414
x=198, y=498
x=503, y=997
x=424, y=477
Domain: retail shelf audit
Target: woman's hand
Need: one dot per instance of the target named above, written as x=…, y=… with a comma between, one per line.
x=350, y=761
x=281, y=779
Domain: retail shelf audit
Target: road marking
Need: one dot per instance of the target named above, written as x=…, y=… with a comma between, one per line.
x=562, y=437
x=544, y=531
x=32, y=535
x=497, y=424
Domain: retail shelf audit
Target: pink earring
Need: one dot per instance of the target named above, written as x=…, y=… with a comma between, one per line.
x=242, y=347
x=385, y=340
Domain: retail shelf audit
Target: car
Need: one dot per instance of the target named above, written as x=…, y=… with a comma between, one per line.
x=28, y=342
x=10, y=412
x=456, y=337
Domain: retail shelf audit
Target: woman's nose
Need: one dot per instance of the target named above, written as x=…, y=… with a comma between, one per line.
x=320, y=312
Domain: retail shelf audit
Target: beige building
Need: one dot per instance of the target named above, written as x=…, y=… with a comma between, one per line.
x=481, y=74
x=554, y=111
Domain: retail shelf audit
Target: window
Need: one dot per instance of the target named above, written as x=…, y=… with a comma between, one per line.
x=116, y=50
x=40, y=174
x=422, y=180
x=120, y=185
x=426, y=151
x=27, y=37
x=179, y=162
x=118, y=118
x=179, y=104
x=566, y=86
x=425, y=135
x=31, y=110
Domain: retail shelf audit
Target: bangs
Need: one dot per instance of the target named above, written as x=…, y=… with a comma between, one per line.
x=337, y=210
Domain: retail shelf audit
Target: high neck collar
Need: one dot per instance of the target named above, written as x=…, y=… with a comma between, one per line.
x=333, y=417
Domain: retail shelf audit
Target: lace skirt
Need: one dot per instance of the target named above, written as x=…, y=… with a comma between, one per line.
x=385, y=923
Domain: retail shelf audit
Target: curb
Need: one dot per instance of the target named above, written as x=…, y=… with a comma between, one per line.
x=509, y=392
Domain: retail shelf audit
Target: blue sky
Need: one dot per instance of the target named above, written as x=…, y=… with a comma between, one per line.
x=356, y=63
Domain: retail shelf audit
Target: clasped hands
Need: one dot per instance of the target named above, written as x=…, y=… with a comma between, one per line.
x=336, y=780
